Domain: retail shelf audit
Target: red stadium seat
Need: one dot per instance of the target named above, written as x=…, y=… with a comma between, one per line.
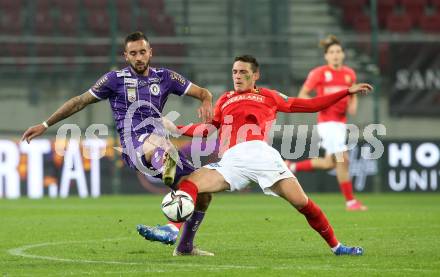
x=125, y=22
x=415, y=9
x=430, y=24
x=64, y=5
x=384, y=9
x=11, y=5
x=96, y=4
x=124, y=6
x=352, y=9
x=43, y=22
x=68, y=23
x=399, y=23
x=157, y=6
x=11, y=23
x=362, y=24
x=98, y=22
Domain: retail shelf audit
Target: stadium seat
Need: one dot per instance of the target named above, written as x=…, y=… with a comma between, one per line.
x=352, y=9
x=67, y=23
x=430, y=24
x=384, y=9
x=399, y=23
x=11, y=23
x=362, y=23
x=9, y=5
x=124, y=6
x=157, y=6
x=43, y=22
x=65, y=6
x=414, y=9
x=98, y=22
x=125, y=21
x=96, y=4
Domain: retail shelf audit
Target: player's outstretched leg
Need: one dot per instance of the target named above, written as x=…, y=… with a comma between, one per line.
x=291, y=190
x=186, y=243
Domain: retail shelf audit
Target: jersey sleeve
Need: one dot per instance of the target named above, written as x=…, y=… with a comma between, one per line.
x=179, y=85
x=105, y=86
x=313, y=79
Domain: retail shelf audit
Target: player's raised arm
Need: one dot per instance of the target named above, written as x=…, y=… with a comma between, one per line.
x=205, y=109
x=298, y=105
x=69, y=108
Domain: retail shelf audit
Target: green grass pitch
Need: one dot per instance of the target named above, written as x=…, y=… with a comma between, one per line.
x=250, y=234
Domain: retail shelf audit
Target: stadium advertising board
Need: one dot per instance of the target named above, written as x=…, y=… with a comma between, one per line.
x=415, y=78
x=411, y=166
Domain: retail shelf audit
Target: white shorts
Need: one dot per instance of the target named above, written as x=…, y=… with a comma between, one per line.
x=333, y=136
x=252, y=162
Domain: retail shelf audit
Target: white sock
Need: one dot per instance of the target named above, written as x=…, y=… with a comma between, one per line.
x=351, y=202
x=336, y=247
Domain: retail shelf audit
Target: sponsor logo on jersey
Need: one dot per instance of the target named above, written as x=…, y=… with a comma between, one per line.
x=328, y=76
x=131, y=81
x=348, y=79
x=333, y=89
x=244, y=97
x=142, y=83
x=177, y=77
x=153, y=80
x=123, y=73
x=100, y=83
x=131, y=94
x=154, y=89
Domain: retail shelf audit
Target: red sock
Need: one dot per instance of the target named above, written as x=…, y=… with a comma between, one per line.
x=305, y=165
x=347, y=190
x=190, y=188
x=177, y=224
x=319, y=222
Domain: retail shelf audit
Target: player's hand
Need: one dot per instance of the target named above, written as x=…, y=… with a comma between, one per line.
x=362, y=88
x=33, y=132
x=205, y=112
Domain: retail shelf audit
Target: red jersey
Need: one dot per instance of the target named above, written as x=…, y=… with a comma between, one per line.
x=326, y=80
x=248, y=115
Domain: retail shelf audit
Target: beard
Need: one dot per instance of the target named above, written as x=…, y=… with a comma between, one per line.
x=140, y=71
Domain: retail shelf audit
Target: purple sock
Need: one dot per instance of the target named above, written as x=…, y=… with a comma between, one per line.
x=189, y=231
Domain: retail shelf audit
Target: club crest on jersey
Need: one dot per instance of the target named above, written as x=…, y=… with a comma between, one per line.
x=328, y=76
x=348, y=79
x=131, y=94
x=154, y=89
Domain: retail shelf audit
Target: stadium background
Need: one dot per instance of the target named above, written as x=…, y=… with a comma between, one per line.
x=51, y=50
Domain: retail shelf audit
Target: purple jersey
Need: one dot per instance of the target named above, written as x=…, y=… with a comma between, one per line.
x=140, y=97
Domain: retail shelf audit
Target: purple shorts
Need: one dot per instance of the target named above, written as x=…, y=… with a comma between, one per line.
x=135, y=159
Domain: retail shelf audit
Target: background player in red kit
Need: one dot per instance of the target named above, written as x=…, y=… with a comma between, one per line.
x=325, y=80
x=244, y=117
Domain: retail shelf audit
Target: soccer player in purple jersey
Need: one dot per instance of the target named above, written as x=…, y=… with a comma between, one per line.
x=137, y=95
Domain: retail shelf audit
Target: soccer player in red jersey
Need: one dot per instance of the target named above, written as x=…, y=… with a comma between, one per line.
x=326, y=80
x=243, y=118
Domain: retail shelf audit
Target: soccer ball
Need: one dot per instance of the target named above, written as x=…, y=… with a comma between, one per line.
x=177, y=206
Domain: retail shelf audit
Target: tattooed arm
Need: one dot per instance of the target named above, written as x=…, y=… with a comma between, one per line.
x=69, y=108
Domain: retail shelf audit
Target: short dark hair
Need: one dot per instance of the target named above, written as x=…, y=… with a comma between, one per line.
x=138, y=35
x=248, y=59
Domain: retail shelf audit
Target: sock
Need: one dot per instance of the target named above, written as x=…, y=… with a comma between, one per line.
x=190, y=188
x=305, y=165
x=318, y=221
x=347, y=190
x=178, y=225
x=189, y=231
